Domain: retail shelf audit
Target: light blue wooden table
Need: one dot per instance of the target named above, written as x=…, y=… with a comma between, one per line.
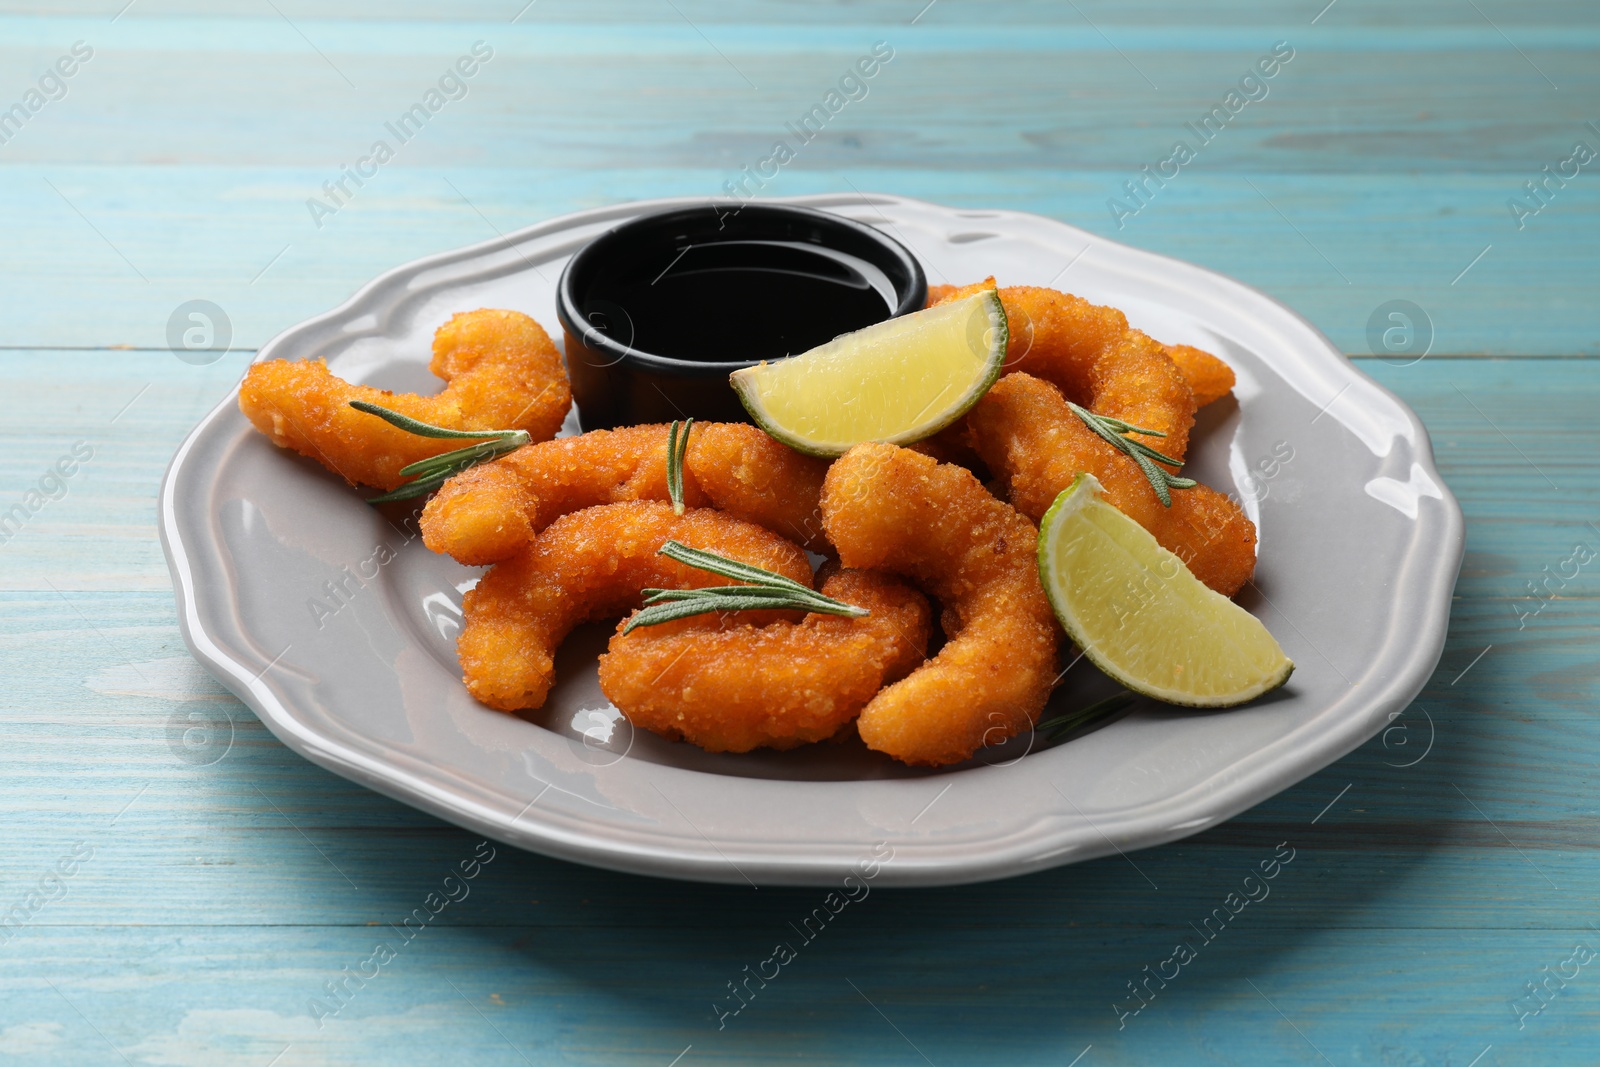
x=175, y=905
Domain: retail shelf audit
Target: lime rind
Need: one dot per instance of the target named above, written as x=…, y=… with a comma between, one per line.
x=984, y=314
x=1242, y=652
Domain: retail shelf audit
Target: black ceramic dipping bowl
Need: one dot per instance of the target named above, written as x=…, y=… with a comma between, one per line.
x=660, y=310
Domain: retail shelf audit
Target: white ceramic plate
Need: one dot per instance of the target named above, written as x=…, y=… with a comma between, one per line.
x=1360, y=543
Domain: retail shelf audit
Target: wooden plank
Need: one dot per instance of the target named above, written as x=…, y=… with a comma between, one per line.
x=887, y=983
x=1010, y=101
x=1006, y=96
x=1130, y=13
x=244, y=239
x=654, y=29
x=1358, y=180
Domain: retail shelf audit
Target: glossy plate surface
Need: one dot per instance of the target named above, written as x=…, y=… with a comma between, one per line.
x=1360, y=543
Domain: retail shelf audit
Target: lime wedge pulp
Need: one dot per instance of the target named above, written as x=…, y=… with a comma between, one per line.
x=897, y=381
x=1139, y=614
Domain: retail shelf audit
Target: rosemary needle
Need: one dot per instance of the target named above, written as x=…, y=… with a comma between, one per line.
x=677, y=449
x=1112, y=430
x=432, y=472
x=1057, y=727
x=766, y=591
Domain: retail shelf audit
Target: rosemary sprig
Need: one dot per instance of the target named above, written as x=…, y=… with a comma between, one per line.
x=701, y=560
x=677, y=449
x=1054, y=729
x=767, y=591
x=1142, y=454
x=432, y=472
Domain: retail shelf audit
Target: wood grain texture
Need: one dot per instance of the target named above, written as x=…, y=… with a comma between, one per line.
x=1379, y=165
x=243, y=239
x=1131, y=13
x=1439, y=868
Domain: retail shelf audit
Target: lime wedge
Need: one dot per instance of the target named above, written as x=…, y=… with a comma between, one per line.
x=1141, y=616
x=897, y=381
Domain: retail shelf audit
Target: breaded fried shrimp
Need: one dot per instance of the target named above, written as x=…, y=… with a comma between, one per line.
x=489, y=512
x=503, y=373
x=1093, y=356
x=751, y=476
x=893, y=509
x=732, y=688
x=1209, y=377
x=589, y=566
x=1035, y=445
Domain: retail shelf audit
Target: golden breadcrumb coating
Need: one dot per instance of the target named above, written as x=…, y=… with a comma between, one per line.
x=489, y=512
x=1209, y=377
x=589, y=566
x=1035, y=446
x=893, y=509
x=503, y=373
x=1046, y=319
x=1093, y=356
x=734, y=686
x=751, y=476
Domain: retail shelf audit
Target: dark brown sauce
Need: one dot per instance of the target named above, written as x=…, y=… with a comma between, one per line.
x=737, y=300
